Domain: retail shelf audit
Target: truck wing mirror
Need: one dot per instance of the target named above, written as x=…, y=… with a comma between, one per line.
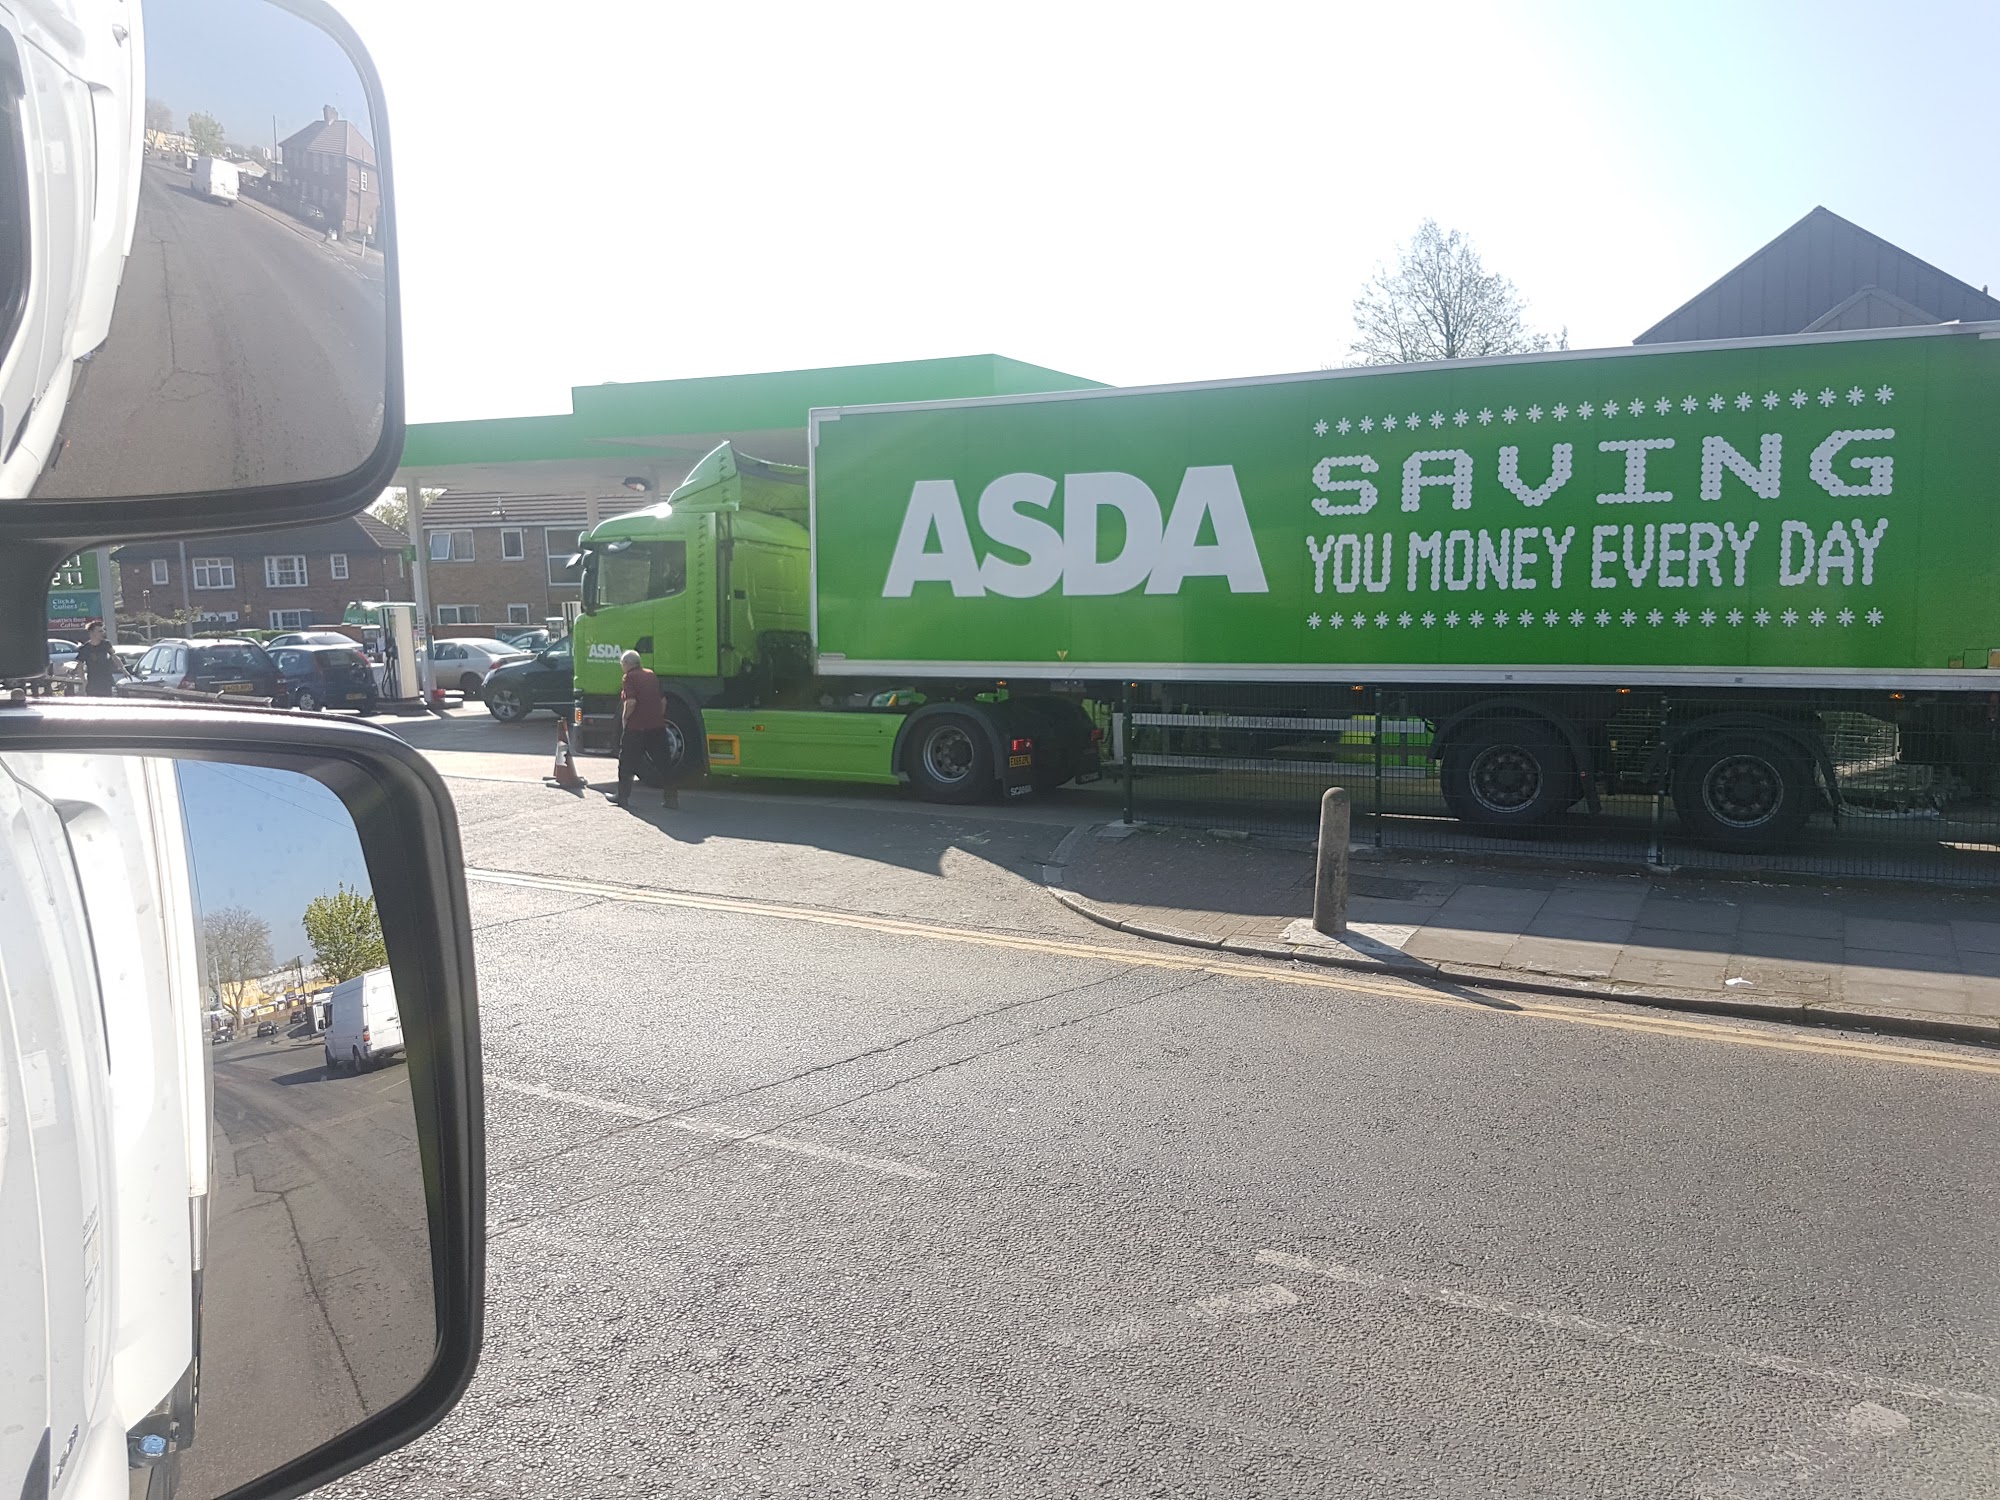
x=221, y=349
x=292, y=1219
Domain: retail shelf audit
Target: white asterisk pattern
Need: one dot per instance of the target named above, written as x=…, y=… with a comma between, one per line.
x=1437, y=419
x=1500, y=617
x=1630, y=617
x=1485, y=415
x=1827, y=397
x=1603, y=618
x=1360, y=620
x=1681, y=617
x=1885, y=394
x=1460, y=417
x=1735, y=617
x=1389, y=424
x=1451, y=618
x=1413, y=421
x=1430, y=619
x=1874, y=617
x=1611, y=408
x=1743, y=402
x=1771, y=400
x=1762, y=617
x=1342, y=426
x=1846, y=617
x=1319, y=428
x=1509, y=414
x=1313, y=620
x=1818, y=617
x=1477, y=619
x=1708, y=617
x=1367, y=424
x=1800, y=398
x=1584, y=409
x=1382, y=620
x=1855, y=395
x=1404, y=619
x=1654, y=617
x=1534, y=414
x=1790, y=617
x=1716, y=403
x=1559, y=411
x=1576, y=617
x=1664, y=405
x=1690, y=403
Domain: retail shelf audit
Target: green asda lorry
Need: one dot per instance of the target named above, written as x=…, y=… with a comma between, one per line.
x=1751, y=530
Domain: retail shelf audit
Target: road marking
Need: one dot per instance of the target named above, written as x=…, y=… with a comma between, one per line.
x=1633, y=1335
x=1239, y=1306
x=1802, y=1464
x=768, y=1140
x=1409, y=992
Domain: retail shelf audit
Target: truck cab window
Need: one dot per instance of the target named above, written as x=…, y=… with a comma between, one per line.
x=637, y=572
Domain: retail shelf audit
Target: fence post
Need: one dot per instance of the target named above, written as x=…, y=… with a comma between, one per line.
x=1125, y=712
x=1330, y=882
x=1375, y=808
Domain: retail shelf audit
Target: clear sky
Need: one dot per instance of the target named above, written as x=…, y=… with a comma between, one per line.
x=631, y=190
x=268, y=841
x=247, y=63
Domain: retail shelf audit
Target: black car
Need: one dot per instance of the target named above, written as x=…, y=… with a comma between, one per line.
x=204, y=666
x=516, y=690
x=267, y=1028
x=312, y=677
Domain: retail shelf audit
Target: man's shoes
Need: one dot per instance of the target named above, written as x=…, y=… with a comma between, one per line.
x=616, y=799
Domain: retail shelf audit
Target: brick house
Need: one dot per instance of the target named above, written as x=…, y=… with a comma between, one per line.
x=501, y=560
x=330, y=166
x=264, y=580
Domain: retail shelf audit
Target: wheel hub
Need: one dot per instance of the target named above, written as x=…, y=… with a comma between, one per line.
x=1743, y=790
x=1506, y=778
x=948, y=754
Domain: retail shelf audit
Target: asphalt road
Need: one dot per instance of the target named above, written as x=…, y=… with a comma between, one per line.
x=243, y=350
x=798, y=1190
x=317, y=1301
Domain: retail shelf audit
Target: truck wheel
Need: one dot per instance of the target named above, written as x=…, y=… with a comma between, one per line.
x=950, y=759
x=1744, y=791
x=1506, y=774
x=657, y=770
x=1062, y=740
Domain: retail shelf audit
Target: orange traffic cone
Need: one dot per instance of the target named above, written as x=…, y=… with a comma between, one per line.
x=565, y=774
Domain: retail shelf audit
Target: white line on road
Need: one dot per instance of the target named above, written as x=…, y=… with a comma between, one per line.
x=1250, y=1302
x=763, y=1138
x=1635, y=1335
x=1801, y=1465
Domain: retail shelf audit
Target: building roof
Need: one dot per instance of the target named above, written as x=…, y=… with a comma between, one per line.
x=328, y=135
x=658, y=429
x=361, y=534
x=478, y=508
x=1822, y=265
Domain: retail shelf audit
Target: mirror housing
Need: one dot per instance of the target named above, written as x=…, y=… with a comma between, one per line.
x=94, y=331
x=408, y=836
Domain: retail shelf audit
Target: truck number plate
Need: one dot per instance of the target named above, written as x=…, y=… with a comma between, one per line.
x=1020, y=760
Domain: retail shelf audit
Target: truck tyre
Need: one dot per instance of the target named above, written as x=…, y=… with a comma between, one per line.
x=1508, y=774
x=679, y=765
x=1062, y=740
x=1742, y=791
x=951, y=759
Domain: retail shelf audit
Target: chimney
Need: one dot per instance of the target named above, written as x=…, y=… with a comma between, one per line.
x=331, y=114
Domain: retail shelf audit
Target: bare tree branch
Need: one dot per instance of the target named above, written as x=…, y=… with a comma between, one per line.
x=1439, y=302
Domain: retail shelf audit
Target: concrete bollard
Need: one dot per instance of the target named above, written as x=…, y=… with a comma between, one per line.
x=1330, y=883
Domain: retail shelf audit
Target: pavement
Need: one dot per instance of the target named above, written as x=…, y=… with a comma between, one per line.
x=1868, y=954
x=1903, y=957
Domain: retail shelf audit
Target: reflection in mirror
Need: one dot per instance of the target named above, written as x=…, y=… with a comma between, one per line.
x=193, y=298
x=233, y=1231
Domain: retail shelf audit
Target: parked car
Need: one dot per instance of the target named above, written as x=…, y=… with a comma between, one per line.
x=544, y=680
x=310, y=638
x=365, y=1028
x=62, y=655
x=524, y=637
x=464, y=663
x=206, y=666
x=267, y=1028
x=316, y=677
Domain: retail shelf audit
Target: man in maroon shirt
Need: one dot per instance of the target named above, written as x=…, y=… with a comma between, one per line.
x=644, y=719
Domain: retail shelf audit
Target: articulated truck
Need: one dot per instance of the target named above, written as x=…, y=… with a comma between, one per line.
x=1754, y=533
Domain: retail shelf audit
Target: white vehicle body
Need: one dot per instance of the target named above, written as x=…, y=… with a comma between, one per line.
x=216, y=179
x=78, y=129
x=103, y=1189
x=464, y=662
x=363, y=1027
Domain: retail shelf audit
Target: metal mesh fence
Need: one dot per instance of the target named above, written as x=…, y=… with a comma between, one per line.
x=1879, y=788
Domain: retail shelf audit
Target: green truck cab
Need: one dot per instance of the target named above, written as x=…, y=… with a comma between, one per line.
x=713, y=588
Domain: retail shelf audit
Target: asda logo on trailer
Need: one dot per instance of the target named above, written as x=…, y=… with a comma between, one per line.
x=1022, y=553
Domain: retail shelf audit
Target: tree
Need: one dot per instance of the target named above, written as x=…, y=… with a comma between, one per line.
x=238, y=944
x=1440, y=302
x=206, y=133
x=159, y=117
x=392, y=509
x=346, y=934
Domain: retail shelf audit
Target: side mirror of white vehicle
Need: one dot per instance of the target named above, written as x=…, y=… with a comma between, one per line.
x=199, y=324
x=241, y=1173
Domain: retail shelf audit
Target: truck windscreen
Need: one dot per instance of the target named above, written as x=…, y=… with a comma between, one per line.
x=637, y=572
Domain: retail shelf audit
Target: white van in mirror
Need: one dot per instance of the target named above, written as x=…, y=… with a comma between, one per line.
x=364, y=1029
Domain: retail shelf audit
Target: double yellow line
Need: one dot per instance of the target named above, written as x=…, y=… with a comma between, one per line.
x=1655, y=1023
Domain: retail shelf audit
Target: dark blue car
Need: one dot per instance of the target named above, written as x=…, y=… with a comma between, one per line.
x=316, y=677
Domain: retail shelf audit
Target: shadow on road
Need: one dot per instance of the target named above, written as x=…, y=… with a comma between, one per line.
x=304, y=1075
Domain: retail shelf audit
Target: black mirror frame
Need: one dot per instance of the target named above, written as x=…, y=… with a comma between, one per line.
x=36, y=535
x=409, y=835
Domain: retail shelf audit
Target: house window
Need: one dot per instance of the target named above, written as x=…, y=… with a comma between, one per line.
x=338, y=564
x=364, y=182
x=291, y=619
x=511, y=547
x=458, y=614
x=517, y=614
x=159, y=570
x=214, y=572
x=285, y=572
x=451, y=546
x=562, y=545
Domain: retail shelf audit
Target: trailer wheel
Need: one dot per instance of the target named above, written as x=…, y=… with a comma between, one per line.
x=1508, y=774
x=950, y=759
x=1742, y=791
